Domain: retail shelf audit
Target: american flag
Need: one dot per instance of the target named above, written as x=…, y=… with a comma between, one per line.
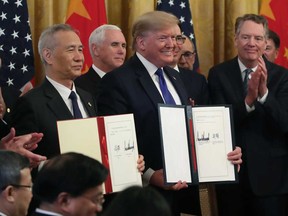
x=16, y=50
x=181, y=9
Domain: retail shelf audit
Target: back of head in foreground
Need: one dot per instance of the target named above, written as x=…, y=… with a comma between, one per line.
x=67, y=179
x=15, y=183
x=138, y=201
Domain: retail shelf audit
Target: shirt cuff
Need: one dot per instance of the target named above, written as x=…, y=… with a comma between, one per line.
x=248, y=108
x=262, y=100
x=147, y=176
x=41, y=165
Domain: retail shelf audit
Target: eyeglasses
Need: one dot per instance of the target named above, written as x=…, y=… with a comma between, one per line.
x=98, y=200
x=188, y=54
x=29, y=187
x=178, y=38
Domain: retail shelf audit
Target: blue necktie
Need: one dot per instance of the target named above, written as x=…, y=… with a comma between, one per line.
x=76, y=110
x=163, y=87
x=246, y=78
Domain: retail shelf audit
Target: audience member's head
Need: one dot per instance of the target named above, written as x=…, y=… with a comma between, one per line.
x=138, y=201
x=61, y=52
x=178, y=43
x=15, y=184
x=273, y=45
x=188, y=53
x=71, y=184
x=154, y=37
x=107, y=46
x=251, y=33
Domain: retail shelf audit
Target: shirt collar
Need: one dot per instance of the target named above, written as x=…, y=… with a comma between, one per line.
x=63, y=90
x=243, y=67
x=38, y=210
x=151, y=68
x=176, y=68
x=98, y=71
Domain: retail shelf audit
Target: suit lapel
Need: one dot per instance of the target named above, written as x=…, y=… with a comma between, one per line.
x=149, y=85
x=234, y=79
x=177, y=83
x=88, y=102
x=146, y=81
x=93, y=75
x=55, y=102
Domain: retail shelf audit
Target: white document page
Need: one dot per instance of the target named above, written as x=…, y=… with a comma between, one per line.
x=213, y=141
x=175, y=144
x=122, y=151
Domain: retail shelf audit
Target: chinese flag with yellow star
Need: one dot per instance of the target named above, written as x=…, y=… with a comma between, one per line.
x=276, y=12
x=85, y=16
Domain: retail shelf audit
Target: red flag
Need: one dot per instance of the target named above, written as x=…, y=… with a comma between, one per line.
x=276, y=12
x=85, y=16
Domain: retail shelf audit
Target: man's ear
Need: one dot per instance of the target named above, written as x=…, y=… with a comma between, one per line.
x=9, y=194
x=141, y=42
x=47, y=55
x=64, y=201
x=235, y=41
x=95, y=49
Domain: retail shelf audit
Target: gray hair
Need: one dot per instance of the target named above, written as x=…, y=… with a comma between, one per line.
x=11, y=164
x=254, y=18
x=152, y=21
x=98, y=35
x=47, y=39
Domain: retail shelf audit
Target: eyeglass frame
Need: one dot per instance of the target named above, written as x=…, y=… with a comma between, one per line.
x=188, y=54
x=97, y=201
x=18, y=186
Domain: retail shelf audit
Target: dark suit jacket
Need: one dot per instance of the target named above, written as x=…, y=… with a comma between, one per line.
x=10, y=96
x=89, y=82
x=196, y=86
x=40, y=109
x=262, y=134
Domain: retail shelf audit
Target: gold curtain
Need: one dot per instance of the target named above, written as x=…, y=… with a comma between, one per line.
x=213, y=23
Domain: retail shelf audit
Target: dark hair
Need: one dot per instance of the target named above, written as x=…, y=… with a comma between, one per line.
x=138, y=201
x=73, y=173
x=275, y=37
x=11, y=163
x=251, y=17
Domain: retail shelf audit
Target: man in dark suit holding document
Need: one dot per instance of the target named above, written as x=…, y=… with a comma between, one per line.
x=61, y=52
x=135, y=88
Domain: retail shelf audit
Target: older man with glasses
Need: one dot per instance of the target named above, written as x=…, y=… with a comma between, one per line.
x=15, y=184
x=188, y=53
x=70, y=184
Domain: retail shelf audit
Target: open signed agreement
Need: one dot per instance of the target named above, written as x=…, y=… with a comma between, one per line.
x=109, y=139
x=195, y=144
